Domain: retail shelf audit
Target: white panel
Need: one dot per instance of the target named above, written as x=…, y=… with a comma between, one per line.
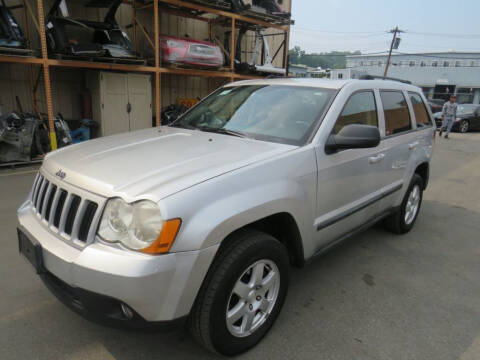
x=114, y=107
x=140, y=98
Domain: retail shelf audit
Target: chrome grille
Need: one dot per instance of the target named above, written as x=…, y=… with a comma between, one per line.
x=63, y=211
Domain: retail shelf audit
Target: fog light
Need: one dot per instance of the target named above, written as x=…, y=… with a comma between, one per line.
x=127, y=311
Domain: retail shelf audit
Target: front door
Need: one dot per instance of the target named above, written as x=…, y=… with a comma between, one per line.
x=349, y=181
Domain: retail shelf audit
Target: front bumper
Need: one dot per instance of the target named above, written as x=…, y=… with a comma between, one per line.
x=157, y=288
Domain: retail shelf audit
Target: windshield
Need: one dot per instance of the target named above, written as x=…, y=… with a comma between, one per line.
x=277, y=113
x=466, y=109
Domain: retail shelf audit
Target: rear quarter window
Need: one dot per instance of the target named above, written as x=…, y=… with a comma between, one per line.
x=397, y=116
x=419, y=109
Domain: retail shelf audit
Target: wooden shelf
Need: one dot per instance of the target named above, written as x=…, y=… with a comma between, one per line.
x=127, y=67
x=101, y=65
x=182, y=8
x=174, y=7
x=20, y=59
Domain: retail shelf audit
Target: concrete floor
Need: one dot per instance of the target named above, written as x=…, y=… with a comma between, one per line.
x=378, y=296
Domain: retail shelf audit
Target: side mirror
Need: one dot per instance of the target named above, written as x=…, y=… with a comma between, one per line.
x=353, y=136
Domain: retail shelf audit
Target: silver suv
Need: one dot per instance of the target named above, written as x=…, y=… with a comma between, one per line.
x=201, y=220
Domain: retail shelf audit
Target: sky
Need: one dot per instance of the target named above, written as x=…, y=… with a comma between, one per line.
x=349, y=25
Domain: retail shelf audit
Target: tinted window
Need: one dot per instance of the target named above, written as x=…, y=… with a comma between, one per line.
x=360, y=109
x=420, y=111
x=466, y=109
x=397, y=117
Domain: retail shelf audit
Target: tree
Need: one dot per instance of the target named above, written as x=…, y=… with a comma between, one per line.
x=325, y=60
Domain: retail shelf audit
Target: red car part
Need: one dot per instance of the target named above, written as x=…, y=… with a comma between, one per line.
x=186, y=51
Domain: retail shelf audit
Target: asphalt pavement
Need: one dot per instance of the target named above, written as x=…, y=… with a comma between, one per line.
x=377, y=296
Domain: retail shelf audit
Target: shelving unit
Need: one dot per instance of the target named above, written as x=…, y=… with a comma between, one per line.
x=174, y=7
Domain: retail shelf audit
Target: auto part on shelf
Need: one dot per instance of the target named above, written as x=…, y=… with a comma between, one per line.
x=88, y=38
x=252, y=67
x=24, y=137
x=191, y=52
x=10, y=33
x=17, y=137
x=171, y=113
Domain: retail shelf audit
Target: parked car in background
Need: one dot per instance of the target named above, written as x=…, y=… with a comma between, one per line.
x=468, y=118
x=202, y=219
x=436, y=105
x=190, y=52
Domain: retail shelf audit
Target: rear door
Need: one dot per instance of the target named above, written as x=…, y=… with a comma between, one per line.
x=400, y=141
x=475, y=123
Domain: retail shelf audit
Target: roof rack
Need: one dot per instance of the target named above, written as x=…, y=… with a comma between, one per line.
x=377, y=77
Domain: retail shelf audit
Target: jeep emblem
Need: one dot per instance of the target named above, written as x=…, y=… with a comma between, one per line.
x=61, y=174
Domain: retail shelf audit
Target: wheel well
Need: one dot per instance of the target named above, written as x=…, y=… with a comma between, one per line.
x=283, y=227
x=424, y=171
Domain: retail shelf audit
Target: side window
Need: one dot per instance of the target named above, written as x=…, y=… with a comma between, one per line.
x=359, y=109
x=420, y=111
x=397, y=117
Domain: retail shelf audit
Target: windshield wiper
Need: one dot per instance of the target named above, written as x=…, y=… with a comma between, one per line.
x=222, y=131
x=180, y=125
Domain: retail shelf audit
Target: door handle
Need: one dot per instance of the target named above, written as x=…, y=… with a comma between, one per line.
x=129, y=108
x=413, y=145
x=376, y=159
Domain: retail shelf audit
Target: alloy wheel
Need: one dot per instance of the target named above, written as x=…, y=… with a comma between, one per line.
x=253, y=298
x=413, y=203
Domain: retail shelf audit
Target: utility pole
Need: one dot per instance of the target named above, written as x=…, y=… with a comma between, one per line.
x=395, y=44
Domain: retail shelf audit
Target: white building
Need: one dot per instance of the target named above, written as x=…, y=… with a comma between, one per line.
x=438, y=73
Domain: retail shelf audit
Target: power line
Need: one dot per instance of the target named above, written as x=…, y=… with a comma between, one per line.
x=351, y=54
x=449, y=35
x=435, y=56
x=339, y=32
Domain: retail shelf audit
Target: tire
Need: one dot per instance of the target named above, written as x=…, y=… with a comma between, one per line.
x=208, y=319
x=399, y=222
x=464, y=126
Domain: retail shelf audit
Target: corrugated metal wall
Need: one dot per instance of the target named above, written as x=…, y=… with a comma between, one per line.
x=67, y=84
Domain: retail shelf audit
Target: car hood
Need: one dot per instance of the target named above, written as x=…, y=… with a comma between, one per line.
x=154, y=163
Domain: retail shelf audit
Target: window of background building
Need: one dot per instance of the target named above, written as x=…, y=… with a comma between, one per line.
x=361, y=63
x=465, y=95
x=340, y=76
x=380, y=63
x=472, y=63
x=426, y=91
x=412, y=63
x=397, y=117
x=458, y=63
x=420, y=111
x=434, y=63
x=360, y=109
x=446, y=64
x=423, y=63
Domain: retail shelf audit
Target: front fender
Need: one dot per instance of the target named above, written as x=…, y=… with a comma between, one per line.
x=214, y=209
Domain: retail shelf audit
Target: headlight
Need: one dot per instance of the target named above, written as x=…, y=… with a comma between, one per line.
x=138, y=226
x=175, y=44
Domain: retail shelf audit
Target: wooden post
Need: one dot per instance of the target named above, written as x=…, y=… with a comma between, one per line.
x=210, y=33
x=46, y=75
x=285, y=50
x=157, y=65
x=134, y=15
x=232, y=47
